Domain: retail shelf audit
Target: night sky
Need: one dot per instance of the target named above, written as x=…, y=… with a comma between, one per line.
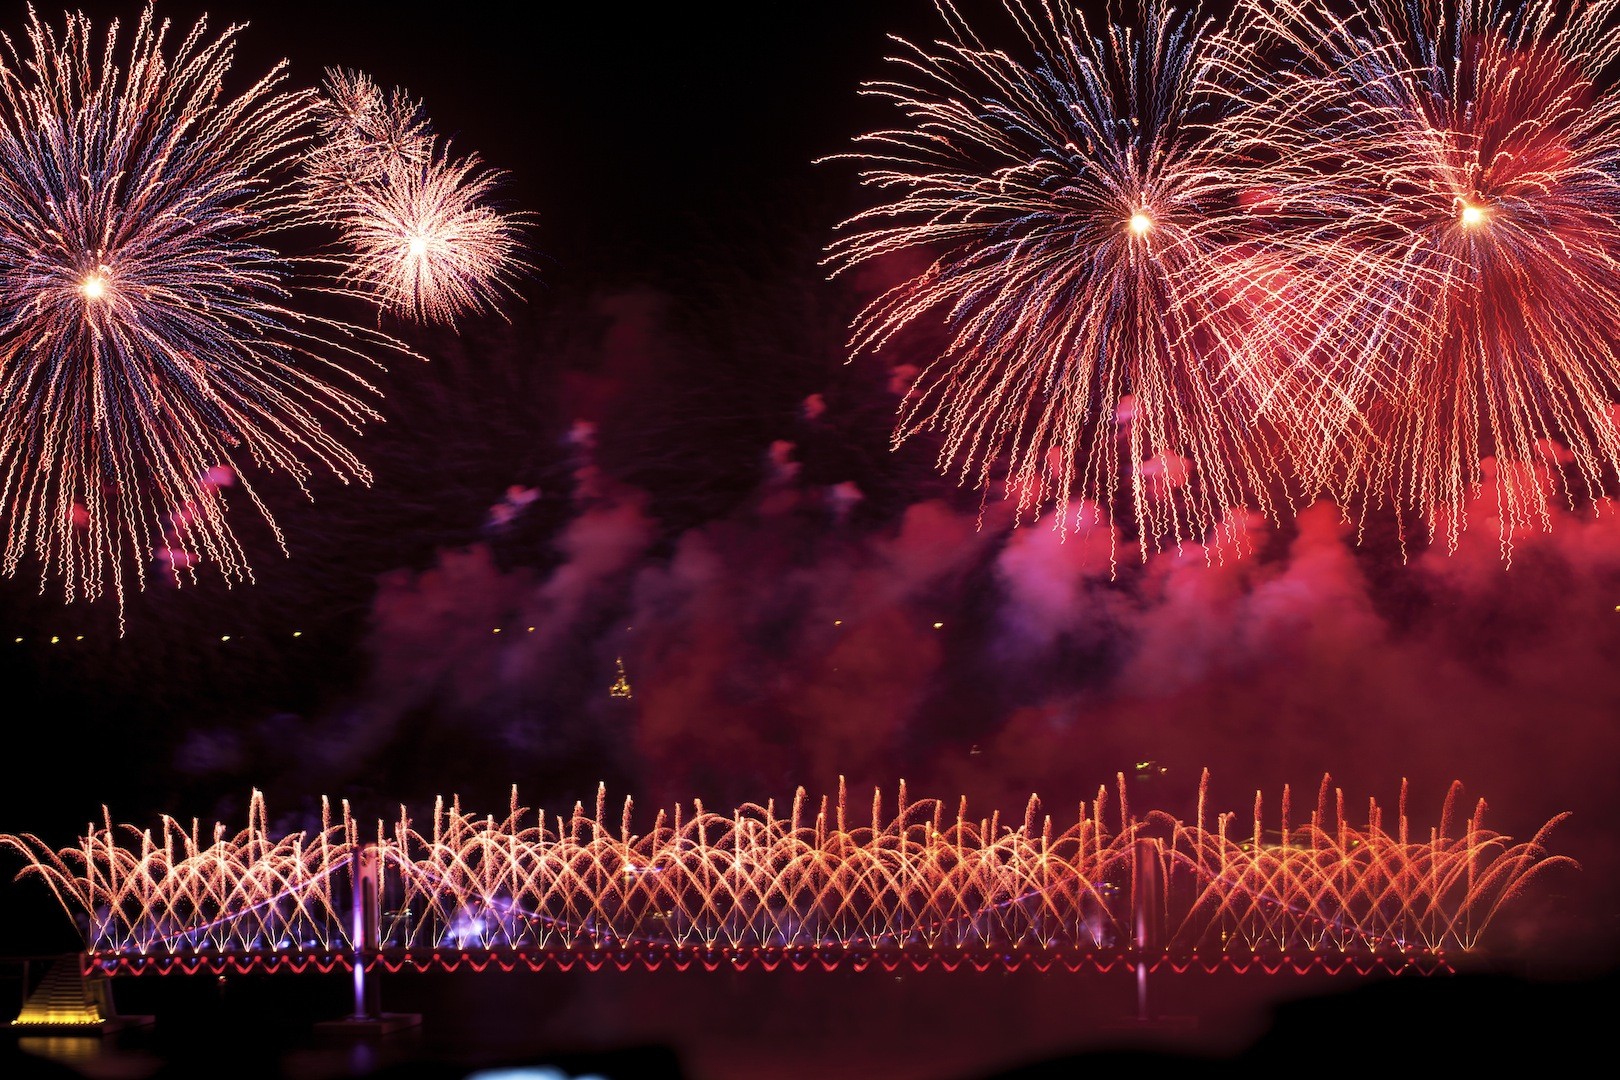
x=719, y=506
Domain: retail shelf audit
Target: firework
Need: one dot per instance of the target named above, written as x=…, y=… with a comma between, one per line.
x=1446, y=173
x=152, y=337
x=1111, y=327
x=924, y=882
x=364, y=134
x=420, y=236
x=424, y=242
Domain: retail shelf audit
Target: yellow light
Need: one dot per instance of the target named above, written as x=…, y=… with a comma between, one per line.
x=94, y=286
x=1140, y=224
x=1472, y=215
x=496, y=630
x=938, y=625
x=621, y=685
x=531, y=629
x=298, y=633
x=224, y=637
x=58, y=1018
x=54, y=639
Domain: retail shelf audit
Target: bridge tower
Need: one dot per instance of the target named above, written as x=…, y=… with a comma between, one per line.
x=1147, y=886
x=365, y=943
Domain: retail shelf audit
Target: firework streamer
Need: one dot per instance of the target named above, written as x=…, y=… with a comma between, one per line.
x=1445, y=174
x=923, y=878
x=1111, y=325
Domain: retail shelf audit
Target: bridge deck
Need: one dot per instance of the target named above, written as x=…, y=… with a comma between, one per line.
x=795, y=958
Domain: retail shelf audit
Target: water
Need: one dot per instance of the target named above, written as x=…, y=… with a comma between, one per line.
x=668, y=1025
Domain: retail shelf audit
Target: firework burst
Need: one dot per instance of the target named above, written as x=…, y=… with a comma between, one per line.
x=420, y=235
x=1446, y=173
x=1110, y=328
x=424, y=243
x=364, y=134
x=153, y=341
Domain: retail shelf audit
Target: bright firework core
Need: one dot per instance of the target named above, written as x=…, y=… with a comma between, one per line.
x=1472, y=215
x=417, y=246
x=94, y=286
x=1140, y=224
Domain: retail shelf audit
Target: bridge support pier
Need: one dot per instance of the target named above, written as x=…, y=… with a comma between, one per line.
x=365, y=910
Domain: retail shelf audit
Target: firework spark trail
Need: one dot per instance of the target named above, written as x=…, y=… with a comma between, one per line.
x=758, y=879
x=1076, y=214
x=152, y=336
x=1445, y=173
x=144, y=337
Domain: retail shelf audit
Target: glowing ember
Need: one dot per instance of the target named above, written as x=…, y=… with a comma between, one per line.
x=93, y=287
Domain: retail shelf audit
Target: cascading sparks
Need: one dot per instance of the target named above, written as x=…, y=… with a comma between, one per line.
x=923, y=881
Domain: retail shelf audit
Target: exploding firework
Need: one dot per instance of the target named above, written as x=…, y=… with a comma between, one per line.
x=152, y=339
x=364, y=134
x=819, y=881
x=420, y=236
x=1110, y=329
x=425, y=244
x=1446, y=173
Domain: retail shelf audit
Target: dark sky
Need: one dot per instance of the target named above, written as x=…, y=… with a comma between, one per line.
x=776, y=634
x=633, y=130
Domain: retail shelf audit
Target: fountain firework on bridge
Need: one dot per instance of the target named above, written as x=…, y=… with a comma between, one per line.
x=820, y=884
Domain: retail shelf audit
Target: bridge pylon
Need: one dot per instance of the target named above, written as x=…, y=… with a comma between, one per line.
x=365, y=942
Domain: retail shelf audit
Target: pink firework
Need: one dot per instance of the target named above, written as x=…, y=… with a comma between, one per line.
x=148, y=333
x=1091, y=255
x=364, y=134
x=1448, y=173
x=154, y=340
